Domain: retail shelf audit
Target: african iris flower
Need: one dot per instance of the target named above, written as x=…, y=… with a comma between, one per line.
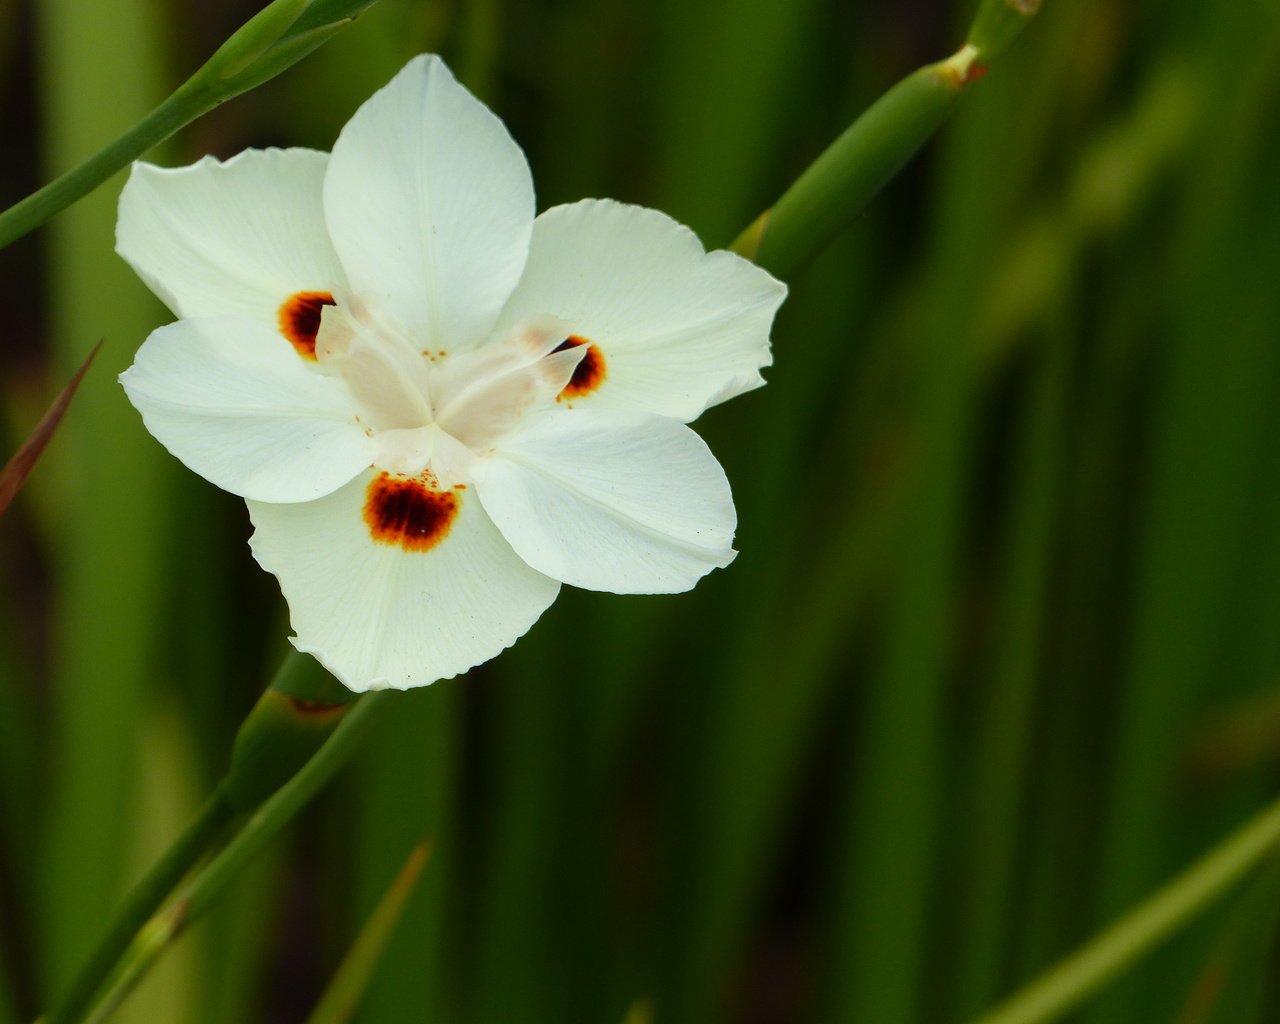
x=438, y=407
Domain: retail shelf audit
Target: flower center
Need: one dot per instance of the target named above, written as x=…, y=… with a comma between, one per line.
x=438, y=411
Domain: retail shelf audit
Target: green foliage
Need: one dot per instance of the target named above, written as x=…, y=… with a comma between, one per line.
x=1010, y=569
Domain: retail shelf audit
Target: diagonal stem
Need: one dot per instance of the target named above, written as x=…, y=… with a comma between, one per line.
x=203, y=831
x=1080, y=975
x=158, y=934
x=273, y=40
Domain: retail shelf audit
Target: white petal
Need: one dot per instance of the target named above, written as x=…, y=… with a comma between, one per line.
x=233, y=400
x=234, y=238
x=377, y=615
x=430, y=205
x=680, y=329
x=609, y=500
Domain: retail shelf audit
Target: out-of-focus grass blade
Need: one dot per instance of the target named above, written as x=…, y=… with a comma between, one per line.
x=1070, y=766
x=724, y=74
x=1002, y=744
x=108, y=531
x=1113, y=178
x=527, y=830
x=406, y=786
x=168, y=797
x=1231, y=987
x=639, y=1012
x=716, y=118
x=753, y=743
x=235, y=943
x=17, y=468
x=1236, y=741
x=342, y=997
x=1212, y=433
x=1144, y=928
x=897, y=769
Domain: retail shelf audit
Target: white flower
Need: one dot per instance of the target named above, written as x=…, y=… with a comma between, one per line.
x=438, y=407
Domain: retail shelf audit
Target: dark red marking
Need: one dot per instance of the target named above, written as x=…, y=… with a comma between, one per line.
x=404, y=511
x=975, y=72
x=589, y=374
x=317, y=710
x=300, y=320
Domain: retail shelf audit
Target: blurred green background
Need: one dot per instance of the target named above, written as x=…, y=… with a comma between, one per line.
x=1001, y=650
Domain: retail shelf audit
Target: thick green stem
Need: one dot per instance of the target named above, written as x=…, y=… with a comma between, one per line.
x=836, y=186
x=834, y=189
x=141, y=903
x=291, y=721
x=1080, y=975
x=160, y=932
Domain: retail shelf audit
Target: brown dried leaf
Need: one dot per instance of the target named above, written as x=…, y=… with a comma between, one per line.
x=16, y=470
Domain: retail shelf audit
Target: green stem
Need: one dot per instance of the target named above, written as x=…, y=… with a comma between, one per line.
x=836, y=186
x=1081, y=974
x=274, y=39
x=184, y=106
x=998, y=23
x=160, y=932
x=834, y=189
x=346, y=989
x=141, y=903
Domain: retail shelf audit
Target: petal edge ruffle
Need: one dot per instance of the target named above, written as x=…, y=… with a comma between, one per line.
x=679, y=329
x=615, y=501
x=377, y=615
x=230, y=238
x=235, y=403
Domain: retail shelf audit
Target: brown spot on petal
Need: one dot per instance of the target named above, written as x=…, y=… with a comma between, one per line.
x=589, y=374
x=300, y=320
x=405, y=511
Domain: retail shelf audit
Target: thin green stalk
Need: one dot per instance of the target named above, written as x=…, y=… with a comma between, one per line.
x=347, y=988
x=270, y=42
x=160, y=932
x=1231, y=987
x=836, y=186
x=296, y=714
x=185, y=105
x=141, y=903
x=1074, y=979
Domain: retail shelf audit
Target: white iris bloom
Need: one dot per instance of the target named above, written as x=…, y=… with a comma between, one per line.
x=437, y=406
